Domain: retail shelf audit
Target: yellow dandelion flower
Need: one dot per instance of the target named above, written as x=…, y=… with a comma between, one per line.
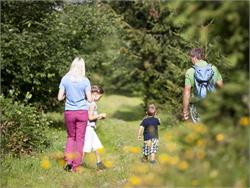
x=200, y=128
x=164, y=158
x=79, y=169
x=190, y=138
x=183, y=165
x=189, y=154
x=168, y=137
x=220, y=137
x=135, y=180
x=45, y=164
x=201, y=143
x=101, y=150
x=134, y=150
x=72, y=155
x=174, y=160
x=244, y=121
x=61, y=162
x=171, y=147
x=200, y=154
x=108, y=164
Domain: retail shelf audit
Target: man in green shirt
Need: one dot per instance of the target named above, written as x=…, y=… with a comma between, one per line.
x=197, y=56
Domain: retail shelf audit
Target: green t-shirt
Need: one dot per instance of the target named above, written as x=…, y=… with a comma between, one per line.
x=189, y=77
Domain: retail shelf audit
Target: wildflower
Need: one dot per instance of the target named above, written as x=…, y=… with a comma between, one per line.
x=108, y=164
x=131, y=149
x=134, y=180
x=134, y=150
x=190, y=138
x=171, y=147
x=200, y=128
x=45, y=164
x=72, y=155
x=79, y=169
x=168, y=137
x=164, y=158
x=174, y=160
x=101, y=150
x=183, y=165
x=201, y=143
x=61, y=162
x=219, y=137
x=244, y=121
x=201, y=154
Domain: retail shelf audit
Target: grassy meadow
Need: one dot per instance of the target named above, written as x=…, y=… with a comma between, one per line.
x=186, y=158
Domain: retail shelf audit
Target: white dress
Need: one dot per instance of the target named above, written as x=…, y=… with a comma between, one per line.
x=91, y=141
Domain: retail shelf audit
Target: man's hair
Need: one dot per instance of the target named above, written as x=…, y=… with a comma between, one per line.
x=97, y=89
x=151, y=110
x=197, y=52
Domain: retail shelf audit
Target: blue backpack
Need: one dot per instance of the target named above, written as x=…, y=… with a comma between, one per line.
x=203, y=80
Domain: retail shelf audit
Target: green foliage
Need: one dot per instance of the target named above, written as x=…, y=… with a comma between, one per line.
x=23, y=129
x=36, y=51
x=221, y=24
x=154, y=48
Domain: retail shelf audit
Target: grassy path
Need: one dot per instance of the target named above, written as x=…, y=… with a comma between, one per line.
x=189, y=155
x=116, y=132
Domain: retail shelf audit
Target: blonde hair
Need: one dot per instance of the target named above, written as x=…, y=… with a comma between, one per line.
x=151, y=110
x=77, y=69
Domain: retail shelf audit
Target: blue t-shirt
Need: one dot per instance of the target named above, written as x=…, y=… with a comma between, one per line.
x=75, y=92
x=150, y=125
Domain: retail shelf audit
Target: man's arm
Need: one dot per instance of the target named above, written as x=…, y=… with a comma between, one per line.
x=220, y=83
x=186, y=98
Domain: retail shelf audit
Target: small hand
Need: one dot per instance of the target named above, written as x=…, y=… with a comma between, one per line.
x=102, y=116
x=185, y=115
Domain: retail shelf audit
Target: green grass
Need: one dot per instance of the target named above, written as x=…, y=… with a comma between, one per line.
x=117, y=131
x=212, y=162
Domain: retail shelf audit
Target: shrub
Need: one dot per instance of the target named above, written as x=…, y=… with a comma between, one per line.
x=22, y=128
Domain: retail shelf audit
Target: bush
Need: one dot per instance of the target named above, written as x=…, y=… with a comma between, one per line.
x=22, y=128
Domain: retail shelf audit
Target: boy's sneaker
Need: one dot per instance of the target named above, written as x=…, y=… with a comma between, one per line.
x=68, y=167
x=144, y=159
x=100, y=166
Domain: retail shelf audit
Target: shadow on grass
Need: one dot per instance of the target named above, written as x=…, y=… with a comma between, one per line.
x=129, y=113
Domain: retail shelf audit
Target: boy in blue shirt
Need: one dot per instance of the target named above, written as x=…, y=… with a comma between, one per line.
x=149, y=127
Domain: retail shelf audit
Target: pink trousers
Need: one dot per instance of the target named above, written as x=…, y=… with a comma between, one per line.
x=76, y=123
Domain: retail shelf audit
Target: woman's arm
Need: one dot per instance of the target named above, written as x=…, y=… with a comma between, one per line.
x=89, y=97
x=61, y=95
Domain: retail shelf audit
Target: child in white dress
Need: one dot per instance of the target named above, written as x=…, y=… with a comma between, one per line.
x=92, y=142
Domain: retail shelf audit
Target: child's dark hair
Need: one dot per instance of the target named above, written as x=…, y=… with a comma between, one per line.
x=197, y=52
x=97, y=89
x=151, y=110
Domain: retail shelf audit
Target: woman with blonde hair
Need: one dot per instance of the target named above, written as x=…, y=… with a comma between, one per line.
x=75, y=87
